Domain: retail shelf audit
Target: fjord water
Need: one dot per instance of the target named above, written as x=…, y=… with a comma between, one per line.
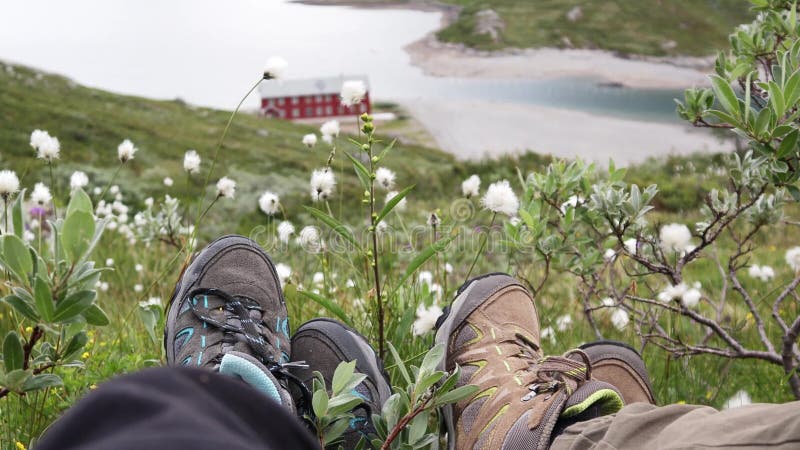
x=209, y=52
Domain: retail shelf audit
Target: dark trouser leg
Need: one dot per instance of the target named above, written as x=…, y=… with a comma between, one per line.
x=645, y=426
x=176, y=408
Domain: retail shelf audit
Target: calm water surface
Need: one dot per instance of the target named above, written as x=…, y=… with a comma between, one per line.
x=209, y=52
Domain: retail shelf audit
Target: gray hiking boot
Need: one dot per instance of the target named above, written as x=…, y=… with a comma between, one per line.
x=620, y=365
x=491, y=331
x=324, y=343
x=228, y=314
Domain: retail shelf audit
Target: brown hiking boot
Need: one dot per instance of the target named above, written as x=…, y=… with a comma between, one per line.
x=620, y=365
x=491, y=331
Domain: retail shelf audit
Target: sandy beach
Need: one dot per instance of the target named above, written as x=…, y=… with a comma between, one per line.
x=466, y=130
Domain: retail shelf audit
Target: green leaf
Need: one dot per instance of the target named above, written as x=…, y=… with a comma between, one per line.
x=319, y=403
x=75, y=345
x=776, y=99
x=432, y=359
x=424, y=384
x=16, y=257
x=74, y=305
x=77, y=234
x=16, y=379
x=457, y=394
x=422, y=258
x=17, y=216
x=361, y=171
x=788, y=145
x=42, y=381
x=794, y=191
x=332, y=307
x=335, y=225
x=342, y=404
x=724, y=117
x=13, y=354
x=401, y=365
x=335, y=430
x=22, y=306
x=149, y=319
x=44, y=299
x=392, y=203
x=344, y=371
x=418, y=426
x=79, y=201
x=386, y=150
x=94, y=315
x=725, y=95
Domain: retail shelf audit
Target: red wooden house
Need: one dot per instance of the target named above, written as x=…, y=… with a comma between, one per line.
x=309, y=98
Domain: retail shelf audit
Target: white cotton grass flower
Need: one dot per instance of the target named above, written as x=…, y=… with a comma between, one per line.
x=138, y=267
x=152, y=301
x=425, y=277
x=500, y=198
x=113, y=190
x=318, y=279
x=674, y=237
x=610, y=255
x=630, y=245
x=448, y=268
x=126, y=150
x=9, y=183
x=270, y=203
x=41, y=194
x=620, y=319
x=353, y=92
x=401, y=205
x=793, y=258
x=564, y=322
x=138, y=288
x=426, y=319
x=275, y=68
x=39, y=138
x=741, y=398
x=28, y=236
x=191, y=161
x=471, y=187
x=548, y=333
x=689, y=296
x=78, y=180
x=49, y=149
x=110, y=262
x=350, y=283
x=310, y=140
x=309, y=239
x=226, y=187
x=322, y=184
x=572, y=202
x=385, y=178
x=608, y=301
x=168, y=182
x=284, y=273
x=330, y=128
x=763, y=273
x=285, y=231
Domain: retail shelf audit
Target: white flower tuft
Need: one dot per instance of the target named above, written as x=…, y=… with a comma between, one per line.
x=564, y=322
x=275, y=68
x=322, y=184
x=113, y=190
x=9, y=183
x=690, y=297
x=448, y=268
x=500, y=198
x=353, y=92
x=309, y=239
x=608, y=301
x=401, y=205
x=471, y=187
x=191, y=161
x=168, y=182
x=39, y=138
x=620, y=318
x=548, y=333
x=385, y=178
x=138, y=288
x=41, y=194
x=285, y=231
x=138, y=267
x=763, y=273
x=78, y=180
x=610, y=255
x=330, y=129
x=49, y=149
x=630, y=245
x=741, y=398
x=310, y=140
x=152, y=301
x=318, y=279
x=28, y=235
x=226, y=187
x=572, y=202
x=674, y=237
x=125, y=151
x=426, y=319
x=284, y=272
x=793, y=258
x=110, y=262
x=269, y=203
x=425, y=277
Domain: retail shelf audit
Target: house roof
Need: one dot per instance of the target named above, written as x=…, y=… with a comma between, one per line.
x=308, y=86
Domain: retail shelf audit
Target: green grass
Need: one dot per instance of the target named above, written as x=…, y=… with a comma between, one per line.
x=626, y=26
x=90, y=123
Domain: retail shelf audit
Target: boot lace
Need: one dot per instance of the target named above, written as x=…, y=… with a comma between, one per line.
x=549, y=374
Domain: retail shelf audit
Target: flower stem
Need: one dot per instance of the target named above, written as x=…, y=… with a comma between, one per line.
x=111, y=181
x=484, y=238
x=374, y=235
x=55, y=191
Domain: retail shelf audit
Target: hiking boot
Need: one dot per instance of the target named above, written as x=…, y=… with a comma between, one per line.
x=228, y=314
x=620, y=365
x=324, y=343
x=491, y=331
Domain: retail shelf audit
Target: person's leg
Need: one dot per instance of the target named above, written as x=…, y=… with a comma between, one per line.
x=176, y=408
x=642, y=425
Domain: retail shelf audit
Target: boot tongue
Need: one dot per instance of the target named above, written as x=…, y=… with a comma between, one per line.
x=248, y=369
x=597, y=396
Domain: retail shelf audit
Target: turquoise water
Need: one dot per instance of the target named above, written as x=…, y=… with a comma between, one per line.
x=208, y=53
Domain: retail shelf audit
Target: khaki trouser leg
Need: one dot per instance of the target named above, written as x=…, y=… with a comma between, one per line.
x=644, y=426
